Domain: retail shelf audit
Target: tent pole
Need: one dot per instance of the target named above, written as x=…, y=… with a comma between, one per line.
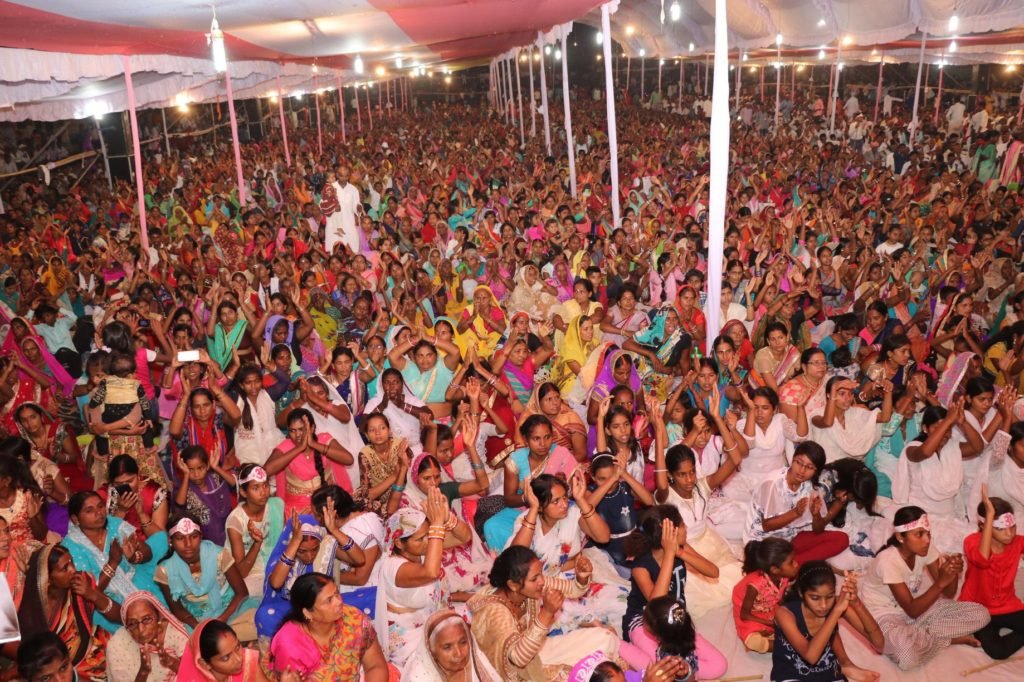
x=878, y=90
x=167, y=140
x=834, y=93
x=140, y=188
x=380, y=98
x=519, y=104
x=629, y=62
x=544, y=94
x=359, y=116
x=508, y=82
x=719, y=168
x=643, y=72
x=682, y=74
x=341, y=106
x=707, y=72
x=661, y=63
x=319, y=130
x=739, y=79
x=938, y=95
x=761, y=69
x=569, y=143
x=778, y=83
x=369, y=106
x=284, y=125
x=234, y=137
x=609, y=86
x=106, y=160
x=917, y=89
x=533, y=113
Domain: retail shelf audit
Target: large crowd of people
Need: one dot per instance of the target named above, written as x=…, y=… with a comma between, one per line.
x=413, y=411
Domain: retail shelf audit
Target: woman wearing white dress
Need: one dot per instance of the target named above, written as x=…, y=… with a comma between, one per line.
x=257, y=433
x=991, y=417
x=847, y=429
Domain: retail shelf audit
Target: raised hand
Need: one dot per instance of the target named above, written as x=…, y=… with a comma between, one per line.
x=990, y=510
x=577, y=486
x=436, y=507
x=552, y=602
x=669, y=542
x=529, y=497
x=801, y=506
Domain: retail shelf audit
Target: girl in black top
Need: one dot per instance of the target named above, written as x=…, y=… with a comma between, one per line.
x=807, y=643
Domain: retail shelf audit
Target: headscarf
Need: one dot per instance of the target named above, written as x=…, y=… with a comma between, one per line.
x=32, y=614
x=532, y=300
x=952, y=377
x=605, y=381
x=172, y=623
x=485, y=339
x=190, y=667
x=402, y=524
x=65, y=384
x=423, y=667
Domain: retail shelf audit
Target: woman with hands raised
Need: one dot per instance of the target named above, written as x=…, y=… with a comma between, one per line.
x=511, y=619
x=909, y=589
x=807, y=641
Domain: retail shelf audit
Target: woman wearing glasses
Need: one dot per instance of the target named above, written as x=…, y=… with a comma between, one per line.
x=150, y=644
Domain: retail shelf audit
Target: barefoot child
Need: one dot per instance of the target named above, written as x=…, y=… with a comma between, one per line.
x=993, y=556
x=807, y=642
x=909, y=589
x=768, y=566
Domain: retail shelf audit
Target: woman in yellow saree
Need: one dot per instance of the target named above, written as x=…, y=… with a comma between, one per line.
x=481, y=324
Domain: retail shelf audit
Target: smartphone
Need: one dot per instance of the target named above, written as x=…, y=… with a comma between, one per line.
x=188, y=356
x=123, y=489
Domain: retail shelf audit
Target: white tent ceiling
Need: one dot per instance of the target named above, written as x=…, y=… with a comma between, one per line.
x=61, y=59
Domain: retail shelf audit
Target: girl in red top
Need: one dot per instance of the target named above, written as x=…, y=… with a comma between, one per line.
x=992, y=556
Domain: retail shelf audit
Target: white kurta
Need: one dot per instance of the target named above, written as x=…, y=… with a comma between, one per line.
x=342, y=226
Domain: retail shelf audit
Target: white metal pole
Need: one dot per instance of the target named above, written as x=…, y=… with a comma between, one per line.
x=707, y=72
x=643, y=72
x=778, y=83
x=719, y=168
x=511, y=94
x=519, y=103
x=533, y=113
x=167, y=140
x=544, y=95
x=609, y=86
x=878, y=91
x=569, y=143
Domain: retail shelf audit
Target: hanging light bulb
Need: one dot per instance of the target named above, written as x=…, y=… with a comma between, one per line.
x=643, y=52
x=821, y=23
x=744, y=56
x=821, y=54
x=661, y=62
x=778, y=39
x=952, y=46
x=600, y=37
x=630, y=30
x=675, y=11
x=558, y=54
x=316, y=69
x=215, y=38
x=692, y=47
x=954, y=23
x=547, y=50
x=358, y=65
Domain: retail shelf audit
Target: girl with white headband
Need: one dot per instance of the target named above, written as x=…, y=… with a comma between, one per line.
x=254, y=526
x=909, y=589
x=992, y=556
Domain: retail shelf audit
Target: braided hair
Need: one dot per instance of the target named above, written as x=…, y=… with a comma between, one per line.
x=301, y=414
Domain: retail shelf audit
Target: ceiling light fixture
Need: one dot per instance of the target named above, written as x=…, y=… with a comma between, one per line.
x=215, y=38
x=675, y=11
x=358, y=64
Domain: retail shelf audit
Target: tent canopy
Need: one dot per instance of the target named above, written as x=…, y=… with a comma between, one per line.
x=60, y=59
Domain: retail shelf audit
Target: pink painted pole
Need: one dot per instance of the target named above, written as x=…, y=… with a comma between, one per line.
x=831, y=102
x=319, y=130
x=878, y=90
x=762, y=83
x=341, y=105
x=284, y=126
x=140, y=189
x=234, y=138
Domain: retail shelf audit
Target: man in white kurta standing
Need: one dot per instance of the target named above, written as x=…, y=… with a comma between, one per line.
x=343, y=224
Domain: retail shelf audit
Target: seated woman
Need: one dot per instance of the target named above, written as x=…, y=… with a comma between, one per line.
x=930, y=471
x=790, y=505
x=680, y=484
x=807, y=642
x=335, y=510
x=323, y=639
x=807, y=388
x=21, y=502
x=403, y=409
x=256, y=434
x=516, y=364
x=767, y=431
x=52, y=439
x=149, y=646
x=121, y=560
x=202, y=488
x=777, y=361
x=557, y=530
x=663, y=348
x=581, y=338
x=513, y=616
x=304, y=547
x=379, y=465
x=465, y=564
x=428, y=375
x=61, y=600
x=214, y=653
x=846, y=429
x=850, y=481
x=201, y=420
x=919, y=618
x=299, y=462
x=254, y=526
x=12, y=563
x=540, y=456
x=617, y=370
x=568, y=429
x=199, y=580
x=448, y=651
x=138, y=501
x=46, y=476
x=412, y=579
x=331, y=415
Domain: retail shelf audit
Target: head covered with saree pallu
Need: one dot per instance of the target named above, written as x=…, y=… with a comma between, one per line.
x=12, y=345
x=124, y=653
x=573, y=349
x=605, y=380
x=564, y=425
x=194, y=669
x=483, y=337
x=423, y=666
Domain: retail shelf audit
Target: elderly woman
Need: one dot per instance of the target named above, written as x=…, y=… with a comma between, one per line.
x=325, y=639
x=625, y=318
x=482, y=323
x=448, y=652
x=150, y=645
